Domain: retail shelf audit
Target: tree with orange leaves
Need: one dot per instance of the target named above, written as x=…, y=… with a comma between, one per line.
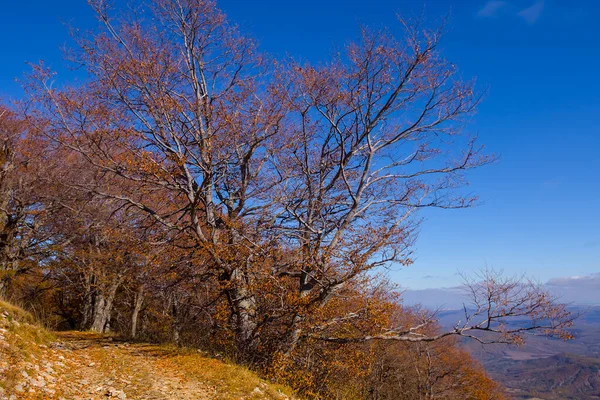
x=292, y=188
x=181, y=109
x=26, y=201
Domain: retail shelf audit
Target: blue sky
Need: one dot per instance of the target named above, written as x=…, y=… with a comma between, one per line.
x=538, y=62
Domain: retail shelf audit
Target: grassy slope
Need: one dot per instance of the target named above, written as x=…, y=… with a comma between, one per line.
x=20, y=341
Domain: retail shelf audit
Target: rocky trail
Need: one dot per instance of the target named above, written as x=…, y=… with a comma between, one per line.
x=84, y=365
x=101, y=367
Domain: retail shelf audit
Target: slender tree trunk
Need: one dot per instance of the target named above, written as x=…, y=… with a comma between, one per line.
x=176, y=325
x=137, y=306
x=176, y=334
x=3, y=287
x=88, y=306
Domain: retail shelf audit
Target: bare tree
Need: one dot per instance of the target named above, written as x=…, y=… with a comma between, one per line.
x=290, y=185
x=176, y=106
x=371, y=145
x=499, y=310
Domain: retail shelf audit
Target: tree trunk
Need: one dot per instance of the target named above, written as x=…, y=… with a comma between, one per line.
x=176, y=334
x=294, y=330
x=100, y=314
x=103, y=307
x=243, y=305
x=3, y=288
x=293, y=337
x=88, y=306
x=176, y=324
x=137, y=306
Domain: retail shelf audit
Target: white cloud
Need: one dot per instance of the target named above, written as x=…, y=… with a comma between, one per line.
x=532, y=14
x=577, y=280
x=491, y=8
x=579, y=289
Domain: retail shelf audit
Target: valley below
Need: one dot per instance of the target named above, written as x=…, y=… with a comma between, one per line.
x=544, y=368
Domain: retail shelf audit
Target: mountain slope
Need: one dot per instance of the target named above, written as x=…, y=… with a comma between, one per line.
x=545, y=368
x=563, y=376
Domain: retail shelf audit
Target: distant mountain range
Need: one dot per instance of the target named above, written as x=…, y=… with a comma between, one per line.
x=543, y=368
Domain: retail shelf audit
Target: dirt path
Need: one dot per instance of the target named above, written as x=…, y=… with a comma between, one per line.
x=36, y=364
x=103, y=367
x=87, y=366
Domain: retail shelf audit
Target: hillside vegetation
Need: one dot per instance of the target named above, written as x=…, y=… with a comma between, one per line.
x=36, y=364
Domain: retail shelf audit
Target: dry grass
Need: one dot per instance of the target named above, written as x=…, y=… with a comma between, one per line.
x=23, y=334
x=20, y=341
x=16, y=313
x=232, y=381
